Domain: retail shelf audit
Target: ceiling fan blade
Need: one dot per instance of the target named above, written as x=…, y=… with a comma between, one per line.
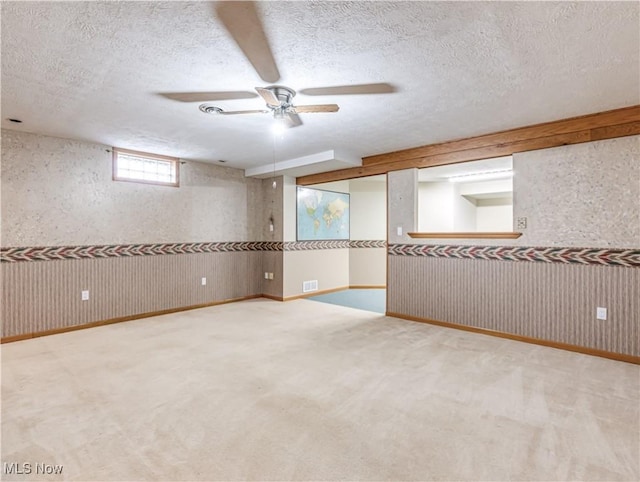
x=293, y=119
x=268, y=96
x=207, y=96
x=308, y=109
x=235, y=112
x=243, y=24
x=381, y=88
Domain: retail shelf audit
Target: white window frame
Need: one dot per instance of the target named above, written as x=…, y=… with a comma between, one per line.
x=175, y=166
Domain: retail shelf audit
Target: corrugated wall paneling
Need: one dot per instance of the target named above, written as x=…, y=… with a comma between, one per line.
x=41, y=296
x=548, y=301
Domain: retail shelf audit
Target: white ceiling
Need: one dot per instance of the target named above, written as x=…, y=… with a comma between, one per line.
x=93, y=71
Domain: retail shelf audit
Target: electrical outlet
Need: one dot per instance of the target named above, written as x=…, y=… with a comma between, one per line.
x=266, y=275
x=204, y=281
x=601, y=313
x=521, y=223
x=270, y=275
x=85, y=295
x=399, y=230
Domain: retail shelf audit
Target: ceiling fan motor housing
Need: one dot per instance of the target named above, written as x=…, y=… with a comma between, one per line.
x=284, y=94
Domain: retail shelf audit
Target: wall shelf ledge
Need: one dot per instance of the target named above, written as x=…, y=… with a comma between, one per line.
x=493, y=235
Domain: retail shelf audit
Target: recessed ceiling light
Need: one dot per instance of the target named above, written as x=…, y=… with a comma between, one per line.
x=17, y=121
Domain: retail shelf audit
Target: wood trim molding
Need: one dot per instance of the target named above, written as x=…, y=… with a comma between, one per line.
x=272, y=297
x=55, y=331
x=593, y=127
x=314, y=293
x=94, y=324
x=526, y=339
x=496, y=235
x=546, y=129
x=325, y=292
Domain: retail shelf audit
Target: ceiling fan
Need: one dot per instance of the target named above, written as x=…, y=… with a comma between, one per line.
x=241, y=20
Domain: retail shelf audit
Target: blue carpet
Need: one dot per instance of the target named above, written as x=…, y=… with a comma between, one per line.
x=369, y=300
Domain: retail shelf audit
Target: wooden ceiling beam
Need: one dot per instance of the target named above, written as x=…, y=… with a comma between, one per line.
x=592, y=127
x=564, y=126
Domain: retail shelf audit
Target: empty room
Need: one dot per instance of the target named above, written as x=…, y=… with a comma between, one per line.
x=320, y=240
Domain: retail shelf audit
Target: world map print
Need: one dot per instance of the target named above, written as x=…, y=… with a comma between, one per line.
x=322, y=215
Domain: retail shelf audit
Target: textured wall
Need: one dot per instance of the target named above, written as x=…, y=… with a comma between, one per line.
x=548, y=301
x=273, y=261
x=585, y=195
x=580, y=195
x=60, y=192
x=271, y=205
x=402, y=200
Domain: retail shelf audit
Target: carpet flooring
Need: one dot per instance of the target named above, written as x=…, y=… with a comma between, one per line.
x=362, y=299
x=264, y=390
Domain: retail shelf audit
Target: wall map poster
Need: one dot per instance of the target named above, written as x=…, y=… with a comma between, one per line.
x=322, y=215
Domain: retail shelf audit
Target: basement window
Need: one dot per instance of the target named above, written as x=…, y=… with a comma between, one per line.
x=145, y=168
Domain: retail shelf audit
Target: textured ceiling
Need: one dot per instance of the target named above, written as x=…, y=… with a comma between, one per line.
x=93, y=71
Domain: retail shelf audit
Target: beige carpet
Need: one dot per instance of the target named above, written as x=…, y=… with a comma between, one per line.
x=262, y=390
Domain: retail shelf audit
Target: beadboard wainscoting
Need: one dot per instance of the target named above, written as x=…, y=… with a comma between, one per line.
x=541, y=297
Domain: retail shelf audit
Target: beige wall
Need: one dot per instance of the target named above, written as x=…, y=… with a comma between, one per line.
x=289, y=208
x=435, y=207
x=494, y=215
x=339, y=268
x=368, y=209
x=447, y=207
x=60, y=192
x=330, y=267
x=367, y=267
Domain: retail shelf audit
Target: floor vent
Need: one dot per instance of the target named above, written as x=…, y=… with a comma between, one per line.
x=310, y=286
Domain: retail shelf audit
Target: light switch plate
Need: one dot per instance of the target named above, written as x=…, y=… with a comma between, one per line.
x=399, y=230
x=85, y=295
x=204, y=281
x=601, y=313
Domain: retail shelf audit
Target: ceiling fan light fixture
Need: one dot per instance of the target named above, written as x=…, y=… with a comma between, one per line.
x=279, y=126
